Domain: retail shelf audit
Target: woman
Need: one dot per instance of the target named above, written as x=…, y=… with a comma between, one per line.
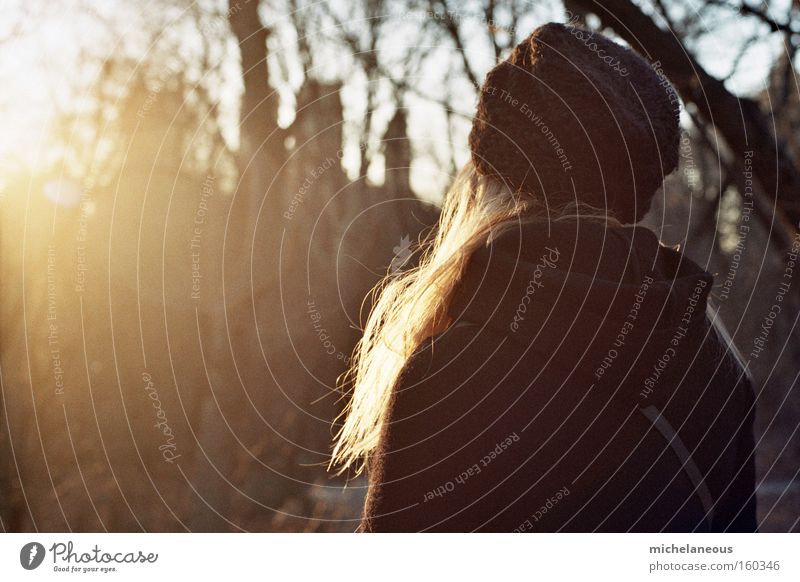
x=546, y=367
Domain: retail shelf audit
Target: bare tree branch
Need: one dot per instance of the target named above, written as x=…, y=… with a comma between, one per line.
x=746, y=9
x=741, y=122
x=451, y=27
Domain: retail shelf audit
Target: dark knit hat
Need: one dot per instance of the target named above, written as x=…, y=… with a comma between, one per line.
x=571, y=106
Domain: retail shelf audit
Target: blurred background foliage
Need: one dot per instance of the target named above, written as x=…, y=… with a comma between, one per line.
x=197, y=197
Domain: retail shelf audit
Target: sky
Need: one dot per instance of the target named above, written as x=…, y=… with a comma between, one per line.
x=48, y=52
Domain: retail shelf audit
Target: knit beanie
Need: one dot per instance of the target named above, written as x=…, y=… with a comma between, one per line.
x=571, y=116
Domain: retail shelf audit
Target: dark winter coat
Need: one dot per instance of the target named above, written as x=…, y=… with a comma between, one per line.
x=581, y=387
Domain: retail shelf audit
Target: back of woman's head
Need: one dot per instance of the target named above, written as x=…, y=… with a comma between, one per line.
x=573, y=116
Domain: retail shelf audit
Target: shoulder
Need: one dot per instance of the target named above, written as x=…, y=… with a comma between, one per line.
x=449, y=367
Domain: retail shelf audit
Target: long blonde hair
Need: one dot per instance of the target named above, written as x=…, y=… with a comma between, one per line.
x=412, y=306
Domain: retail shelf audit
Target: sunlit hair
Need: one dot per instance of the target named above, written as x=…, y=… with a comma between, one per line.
x=412, y=306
